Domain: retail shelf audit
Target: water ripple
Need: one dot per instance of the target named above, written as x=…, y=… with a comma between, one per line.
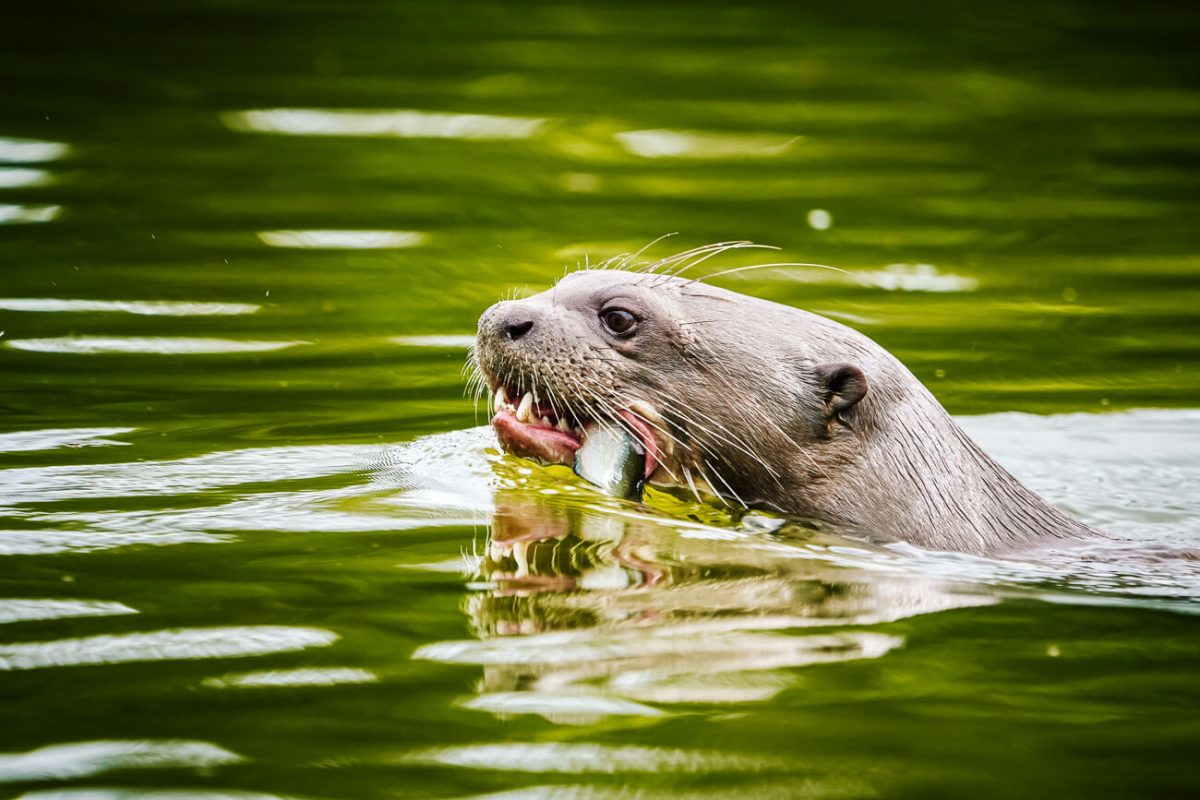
x=587, y=758
x=446, y=341
x=401, y=123
x=43, y=542
x=53, y=438
x=166, y=645
x=179, y=476
x=153, y=308
x=704, y=144
x=344, y=240
x=82, y=759
x=150, y=345
x=560, y=706
x=30, y=151
x=19, y=177
x=140, y=793
x=324, y=676
x=10, y=213
x=26, y=610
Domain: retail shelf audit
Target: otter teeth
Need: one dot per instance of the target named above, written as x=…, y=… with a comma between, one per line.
x=528, y=411
x=526, y=406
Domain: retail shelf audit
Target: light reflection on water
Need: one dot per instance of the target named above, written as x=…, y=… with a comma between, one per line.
x=343, y=240
x=148, y=345
x=153, y=308
x=13, y=177
x=52, y=438
x=82, y=759
x=10, y=213
x=404, y=124
x=168, y=645
x=30, y=151
x=327, y=676
x=704, y=144
x=584, y=758
x=13, y=610
x=132, y=793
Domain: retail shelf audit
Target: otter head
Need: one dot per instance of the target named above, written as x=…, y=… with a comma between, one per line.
x=728, y=394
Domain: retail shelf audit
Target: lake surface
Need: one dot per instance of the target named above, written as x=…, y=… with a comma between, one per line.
x=255, y=542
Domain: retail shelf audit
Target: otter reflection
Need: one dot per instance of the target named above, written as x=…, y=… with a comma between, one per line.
x=585, y=612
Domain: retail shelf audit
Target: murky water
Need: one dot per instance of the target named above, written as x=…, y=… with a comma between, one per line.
x=254, y=543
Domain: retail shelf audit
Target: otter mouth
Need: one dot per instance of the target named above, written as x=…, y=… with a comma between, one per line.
x=531, y=427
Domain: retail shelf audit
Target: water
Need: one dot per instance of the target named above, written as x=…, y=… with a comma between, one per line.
x=254, y=545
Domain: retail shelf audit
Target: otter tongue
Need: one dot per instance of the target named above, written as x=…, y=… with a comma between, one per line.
x=613, y=459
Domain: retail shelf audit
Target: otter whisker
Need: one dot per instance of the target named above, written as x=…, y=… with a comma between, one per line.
x=708, y=480
x=687, y=475
x=625, y=262
x=710, y=276
x=726, y=484
x=663, y=265
x=735, y=442
x=706, y=257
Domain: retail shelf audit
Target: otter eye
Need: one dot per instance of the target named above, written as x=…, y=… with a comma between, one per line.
x=618, y=321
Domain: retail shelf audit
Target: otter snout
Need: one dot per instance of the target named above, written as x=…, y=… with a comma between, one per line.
x=515, y=330
x=508, y=322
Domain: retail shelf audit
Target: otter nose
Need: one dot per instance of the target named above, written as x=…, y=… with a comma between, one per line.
x=515, y=330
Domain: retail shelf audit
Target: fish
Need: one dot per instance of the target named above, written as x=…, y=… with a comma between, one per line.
x=613, y=459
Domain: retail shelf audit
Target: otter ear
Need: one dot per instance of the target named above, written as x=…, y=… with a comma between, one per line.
x=842, y=385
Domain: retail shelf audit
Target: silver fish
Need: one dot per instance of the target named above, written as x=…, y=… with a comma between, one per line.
x=613, y=459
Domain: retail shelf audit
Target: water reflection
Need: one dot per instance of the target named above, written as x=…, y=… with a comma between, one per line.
x=579, y=758
x=147, y=345
x=447, y=341
x=141, y=793
x=82, y=759
x=586, y=614
x=165, y=645
x=704, y=144
x=52, y=438
x=24, y=610
x=151, y=308
x=30, y=151
x=16, y=177
x=400, y=123
x=10, y=213
x=289, y=678
x=343, y=240
x=46, y=543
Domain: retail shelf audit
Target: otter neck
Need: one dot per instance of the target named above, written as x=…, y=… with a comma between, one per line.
x=931, y=485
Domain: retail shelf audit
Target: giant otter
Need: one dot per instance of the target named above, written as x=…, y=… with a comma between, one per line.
x=753, y=402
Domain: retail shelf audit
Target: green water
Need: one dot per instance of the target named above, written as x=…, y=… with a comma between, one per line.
x=248, y=547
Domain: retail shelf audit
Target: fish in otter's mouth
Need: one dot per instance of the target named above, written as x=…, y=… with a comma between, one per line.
x=533, y=428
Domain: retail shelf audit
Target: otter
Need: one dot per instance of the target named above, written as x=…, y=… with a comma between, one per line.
x=752, y=403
